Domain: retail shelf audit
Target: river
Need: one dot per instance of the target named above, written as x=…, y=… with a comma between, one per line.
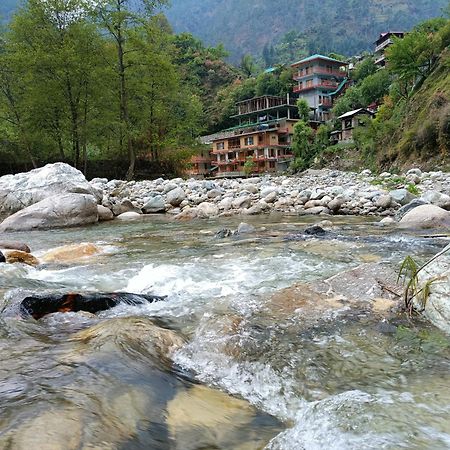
x=248, y=376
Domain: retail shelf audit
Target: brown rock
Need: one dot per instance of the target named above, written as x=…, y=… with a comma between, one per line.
x=16, y=256
x=70, y=253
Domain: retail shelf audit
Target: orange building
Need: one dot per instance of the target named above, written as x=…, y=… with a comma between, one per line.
x=262, y=139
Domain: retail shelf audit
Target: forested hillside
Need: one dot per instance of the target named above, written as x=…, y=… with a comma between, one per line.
x=343, y=26
x=103, y=84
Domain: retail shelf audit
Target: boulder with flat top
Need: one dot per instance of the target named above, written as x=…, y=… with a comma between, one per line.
x=61, y=211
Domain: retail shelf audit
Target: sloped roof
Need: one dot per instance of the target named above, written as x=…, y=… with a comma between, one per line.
x=317, y=56
x=355, y=112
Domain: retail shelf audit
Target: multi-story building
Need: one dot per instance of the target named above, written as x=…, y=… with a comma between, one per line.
x=263, y=138
x=383, y=42
x=320, y=80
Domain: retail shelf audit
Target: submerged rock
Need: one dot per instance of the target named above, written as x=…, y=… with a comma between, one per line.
x=71, y=253
x=63, y=211
x=204, y=418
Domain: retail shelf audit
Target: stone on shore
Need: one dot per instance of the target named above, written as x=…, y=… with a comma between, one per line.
x=68, y=210
x=104, y=214
x=176, y=196
x=13, y=245
x=131, y=215
x=425, y=217
x=154, y=205
x=25, y=189
x=402, y=196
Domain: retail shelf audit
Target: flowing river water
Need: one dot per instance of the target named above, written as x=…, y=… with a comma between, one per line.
x=249, y=375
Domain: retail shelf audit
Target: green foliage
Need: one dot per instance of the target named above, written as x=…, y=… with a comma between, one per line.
x=249, y=165
x=303, y=144
x=365, y=68
x=303, y=109
x=72, y=89
x=347, y=26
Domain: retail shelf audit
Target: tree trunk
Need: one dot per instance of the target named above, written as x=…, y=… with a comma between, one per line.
x=124, y=114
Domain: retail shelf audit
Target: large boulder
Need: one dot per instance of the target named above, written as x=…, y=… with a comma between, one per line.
x=402, y=196
x=62, y=211
x=436, y=198
x=176, y=196
x=154, y=205
x=426, y=216
x=24, y=189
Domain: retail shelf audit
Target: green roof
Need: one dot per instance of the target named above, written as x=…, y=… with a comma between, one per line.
x=316, y=56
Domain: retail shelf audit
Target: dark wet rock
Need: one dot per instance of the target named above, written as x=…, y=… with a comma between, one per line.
x=386, y=327
x=224, y=233
x=315, y=230
x=2, y=258
x=39, y=306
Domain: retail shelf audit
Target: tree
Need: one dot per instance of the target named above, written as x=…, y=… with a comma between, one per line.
x=249, y=165
x=119, y=20
x=303, y=109
x=248, y=65
x=364, y=69
x=303, y=144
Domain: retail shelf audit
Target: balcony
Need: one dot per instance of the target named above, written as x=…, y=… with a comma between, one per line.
x=322, y=85
x=383, y=45
x=320, y=71
x=200, y=160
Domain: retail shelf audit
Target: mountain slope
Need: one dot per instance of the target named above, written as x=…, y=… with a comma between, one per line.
x=343, y=26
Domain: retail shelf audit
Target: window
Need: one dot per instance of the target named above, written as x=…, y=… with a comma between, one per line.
x=220, y=145
x=249, y=140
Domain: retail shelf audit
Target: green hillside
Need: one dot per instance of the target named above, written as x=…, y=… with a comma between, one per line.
x=344, y=26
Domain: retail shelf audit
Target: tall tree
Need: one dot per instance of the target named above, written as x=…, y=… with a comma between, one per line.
x=119, y=19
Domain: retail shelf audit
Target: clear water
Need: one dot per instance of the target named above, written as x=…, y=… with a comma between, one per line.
x=282, y=378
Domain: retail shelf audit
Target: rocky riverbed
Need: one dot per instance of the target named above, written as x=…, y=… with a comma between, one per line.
x=58, y=195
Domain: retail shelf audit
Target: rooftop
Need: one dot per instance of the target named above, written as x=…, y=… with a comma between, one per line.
x=355, y=112
x=325, y=58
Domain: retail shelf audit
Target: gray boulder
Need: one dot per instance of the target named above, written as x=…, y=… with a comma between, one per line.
x=383, y=201
x=409, y=207
x=208, y=209
x=426, y=216
x=130, y=215
x=25, y=189
x=104, y=214
x=402, y=196
x=436, y=198
x=62, y=211
x=124, y=206
x=154, y=205
x=242, y=202
x=176, y=196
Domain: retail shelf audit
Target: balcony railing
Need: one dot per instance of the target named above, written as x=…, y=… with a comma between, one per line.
x=383, y=45
x=318, y=71
x=200, y=160
x=323, y=84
